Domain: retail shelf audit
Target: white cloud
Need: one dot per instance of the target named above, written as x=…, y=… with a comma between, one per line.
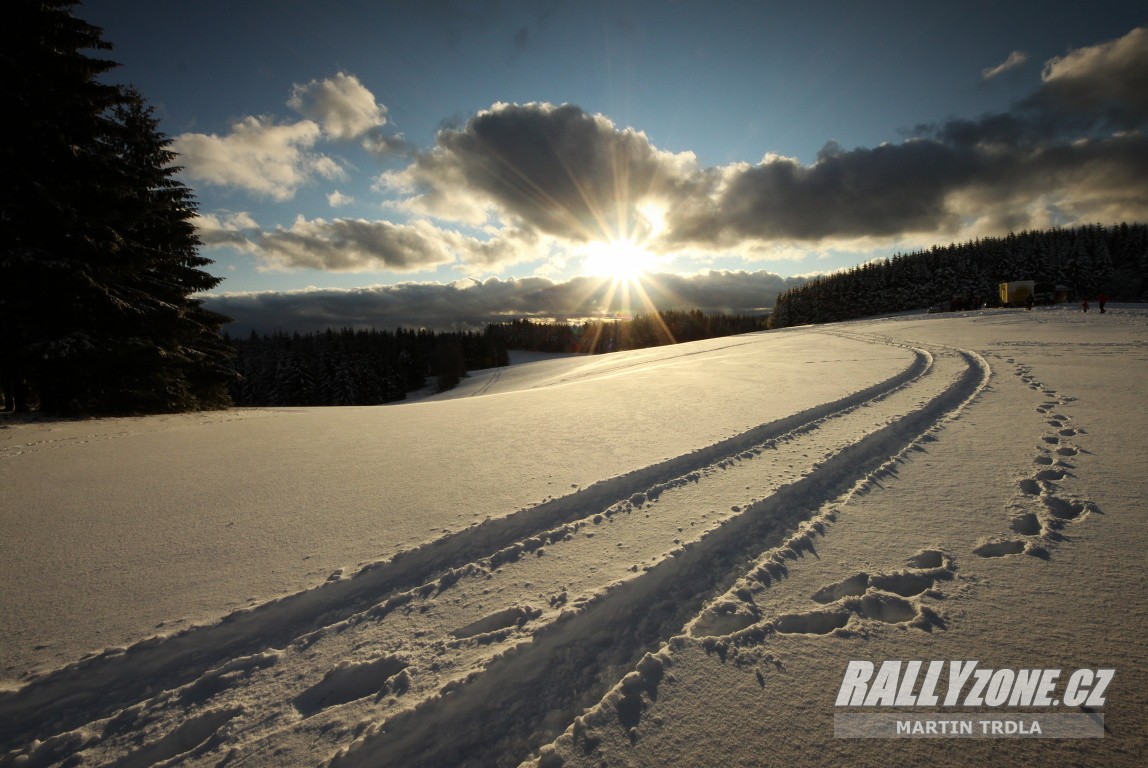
x=274, y=159
x=356, y=245
x=336, y=199
x=1106, y=58
x=233, y=229
x=341, y=105
x=258, y=155
x=503, y=248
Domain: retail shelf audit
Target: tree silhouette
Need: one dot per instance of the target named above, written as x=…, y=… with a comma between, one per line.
x=98, y=254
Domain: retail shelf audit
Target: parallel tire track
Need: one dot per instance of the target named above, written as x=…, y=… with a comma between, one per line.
x=530, y=694
x=97, y=687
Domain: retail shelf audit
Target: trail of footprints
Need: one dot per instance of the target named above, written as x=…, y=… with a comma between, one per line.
x=1040, y=514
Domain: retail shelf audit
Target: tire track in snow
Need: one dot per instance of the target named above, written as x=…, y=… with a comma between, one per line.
x=604, y=367
x=491, y=380
x=527, y=695
x=99, y=686
x=437, y=636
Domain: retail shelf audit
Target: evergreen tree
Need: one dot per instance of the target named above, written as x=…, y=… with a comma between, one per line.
x=98, y=255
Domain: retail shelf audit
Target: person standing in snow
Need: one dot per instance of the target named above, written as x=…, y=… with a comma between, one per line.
x=1084, y=306
x=1102, y=300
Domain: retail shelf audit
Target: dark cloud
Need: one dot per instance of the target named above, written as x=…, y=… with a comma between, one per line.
x=561, y=171
x=885, y=191
x=1073, y=152
x=555, y=169
x=472, y=303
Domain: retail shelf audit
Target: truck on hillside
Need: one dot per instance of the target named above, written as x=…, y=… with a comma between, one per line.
x=1016, y=293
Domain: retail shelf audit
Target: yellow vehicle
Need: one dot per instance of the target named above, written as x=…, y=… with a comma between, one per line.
x=1016, y=293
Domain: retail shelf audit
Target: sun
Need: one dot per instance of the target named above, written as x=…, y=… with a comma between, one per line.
x=623, y=251
x=619, y=260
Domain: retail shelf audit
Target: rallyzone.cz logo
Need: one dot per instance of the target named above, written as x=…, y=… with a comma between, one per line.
x=966, y=684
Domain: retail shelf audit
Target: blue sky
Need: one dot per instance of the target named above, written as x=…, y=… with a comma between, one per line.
x=446, y=163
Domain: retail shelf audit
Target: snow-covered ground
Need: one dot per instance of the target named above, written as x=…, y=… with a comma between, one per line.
x=658, y=557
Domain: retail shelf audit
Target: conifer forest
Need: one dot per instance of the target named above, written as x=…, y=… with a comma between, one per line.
x=1088, y=261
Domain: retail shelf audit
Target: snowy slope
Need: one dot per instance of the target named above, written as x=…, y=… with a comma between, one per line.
x=660, y=557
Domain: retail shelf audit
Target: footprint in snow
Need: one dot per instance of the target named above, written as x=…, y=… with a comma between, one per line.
x=1063, y=509
x=850, y=587
x=813, y=623
x=1027, y=524
x=1029, y=486
x=878, y=597
x=1000, y=548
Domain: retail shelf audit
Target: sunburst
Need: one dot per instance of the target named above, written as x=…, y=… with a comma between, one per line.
x=625, y=256
x=619, y=260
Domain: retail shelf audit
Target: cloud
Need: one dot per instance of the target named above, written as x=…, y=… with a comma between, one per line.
x=355, y=245
x=472, y=303
x=358, y=245
x=258, y=155
x=502, y=248
x=1014, y=60
x=578, y=178
x=337, y=198
x=1073, y=152
x=225, y=229
x=553, y=169
x=882, y=192
x=346, y=110
x=381, y=145
x=1107, y=83
x=274, y=159
x=341, y=105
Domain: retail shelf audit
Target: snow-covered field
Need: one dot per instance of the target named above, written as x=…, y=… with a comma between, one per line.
x=659, y=557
